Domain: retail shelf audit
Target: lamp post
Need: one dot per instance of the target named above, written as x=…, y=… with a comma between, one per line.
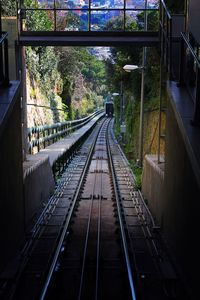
x=129, y=68
x=122, y=123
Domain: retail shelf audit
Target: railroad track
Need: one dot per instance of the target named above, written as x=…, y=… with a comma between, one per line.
x=83, y=201
x=154, y=274
x=93, y=258
x=96, y=238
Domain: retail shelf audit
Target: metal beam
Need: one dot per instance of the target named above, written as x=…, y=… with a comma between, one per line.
x=90, y=39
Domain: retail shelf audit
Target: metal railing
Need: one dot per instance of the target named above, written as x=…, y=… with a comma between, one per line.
x=165, y=31
x=179, y=56
x=4, y=66
x=189, y=75
x=40, y=137
x=170, y=28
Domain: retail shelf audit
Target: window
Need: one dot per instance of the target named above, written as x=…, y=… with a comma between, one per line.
x=89, y=15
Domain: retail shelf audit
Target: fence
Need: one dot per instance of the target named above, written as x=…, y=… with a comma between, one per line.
x=189, y=74
x=180, y=55
x=42, y=136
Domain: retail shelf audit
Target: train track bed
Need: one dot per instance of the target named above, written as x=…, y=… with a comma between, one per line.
x=93, y=258
x=96, y=238
x=44, y=237
x=153, y=270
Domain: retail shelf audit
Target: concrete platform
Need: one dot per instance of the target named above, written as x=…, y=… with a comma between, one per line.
x=38, y=175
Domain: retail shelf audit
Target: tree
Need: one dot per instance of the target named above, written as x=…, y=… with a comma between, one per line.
x=8, y=7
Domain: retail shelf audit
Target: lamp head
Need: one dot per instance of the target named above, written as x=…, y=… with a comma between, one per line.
x=129, y=68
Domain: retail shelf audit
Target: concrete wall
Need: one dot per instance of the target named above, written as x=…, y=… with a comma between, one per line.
x=38, y=185
x=11, y=188
x=174, y=200
x=181, y=196
x=152, y=186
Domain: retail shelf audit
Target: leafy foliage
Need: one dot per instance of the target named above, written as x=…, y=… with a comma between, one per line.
x=8, y=7
x=42, y=68
x=38, y=20
x=79, y=68
x=131, y=83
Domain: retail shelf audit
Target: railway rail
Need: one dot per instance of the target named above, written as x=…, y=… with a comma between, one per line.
x=87, y=267
x=96, y=238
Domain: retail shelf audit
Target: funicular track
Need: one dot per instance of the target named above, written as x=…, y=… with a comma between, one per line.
x=75, y=249
x=96, y=239
x=154, y=274
x=93, y=258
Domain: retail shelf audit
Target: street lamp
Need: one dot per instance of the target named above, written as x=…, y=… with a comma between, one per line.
x=129, y=68
x=122, y=124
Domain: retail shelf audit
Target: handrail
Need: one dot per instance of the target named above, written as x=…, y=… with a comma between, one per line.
x=187, y=65
x=165, y=8
x=42, y=136
x=166, y=36
x=4, y=36
x=46, y=107
x=183, y=35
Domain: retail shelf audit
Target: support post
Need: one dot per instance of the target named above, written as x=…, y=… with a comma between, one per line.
x=181, y=66
x=141, y=128
x=6, y=75
x=196, y=117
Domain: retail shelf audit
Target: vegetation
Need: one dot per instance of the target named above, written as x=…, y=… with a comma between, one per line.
x=131, y=87
x=137, y=171
x=75, y=81
x=8, y=7
x=67, y=76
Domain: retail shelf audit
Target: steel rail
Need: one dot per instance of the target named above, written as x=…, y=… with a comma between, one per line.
x=123, y=235
x=67, y=221
x=50, y=206
x=35, y=232
x=98, y=237
x=86, y=240
x=154, y=226
x=141, y=209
